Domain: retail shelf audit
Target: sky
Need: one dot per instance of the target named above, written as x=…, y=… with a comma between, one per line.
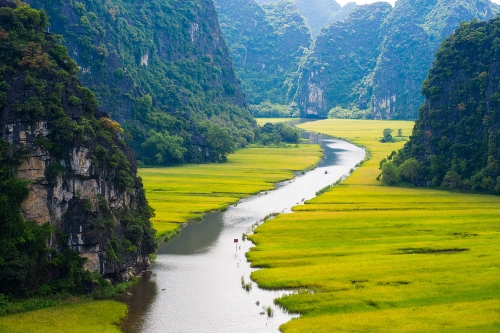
x=362, y=2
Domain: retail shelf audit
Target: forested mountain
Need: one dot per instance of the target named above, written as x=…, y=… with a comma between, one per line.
x=337, y=71
x=161, y=68
x=409, y=37
x=266, y=44
x=413, y=33
x=456, y=139
x=69, y=195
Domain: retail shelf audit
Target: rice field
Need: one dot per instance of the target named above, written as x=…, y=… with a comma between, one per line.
x=101, y=316
x=370, y=258
x=180, y=194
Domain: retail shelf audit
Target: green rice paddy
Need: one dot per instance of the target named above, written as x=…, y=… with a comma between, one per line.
x=180, y=194
x=371, y=258
x=101, y=316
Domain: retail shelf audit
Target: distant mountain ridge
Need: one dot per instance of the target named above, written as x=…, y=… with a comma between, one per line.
x=319, y=13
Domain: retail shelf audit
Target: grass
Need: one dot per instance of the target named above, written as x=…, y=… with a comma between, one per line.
x=183, y=193
x=371, y=258
x=101, y=316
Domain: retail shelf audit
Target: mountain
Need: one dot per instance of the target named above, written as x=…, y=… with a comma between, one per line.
x=343, y=56
x=409, y=36
x=413, y=33
x=266, y=45
x=456, y=139
x=70, y=199
x=162, y=69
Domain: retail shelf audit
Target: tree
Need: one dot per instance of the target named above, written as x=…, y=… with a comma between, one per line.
x=387, y=135
x=163, y=148
x=390, y=173
x=220, y=143
x=410, y=170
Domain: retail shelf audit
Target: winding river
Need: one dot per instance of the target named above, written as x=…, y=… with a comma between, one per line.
x=196, y=283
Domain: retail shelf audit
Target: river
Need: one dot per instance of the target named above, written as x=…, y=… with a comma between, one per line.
x=196, y=281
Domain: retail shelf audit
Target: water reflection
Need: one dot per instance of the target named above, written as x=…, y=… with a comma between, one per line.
x=196, y=284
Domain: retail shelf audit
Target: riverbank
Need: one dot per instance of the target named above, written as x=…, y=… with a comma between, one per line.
x=188, y=192
x=383, y=259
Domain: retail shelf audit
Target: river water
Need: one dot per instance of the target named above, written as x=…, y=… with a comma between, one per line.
x=196, y=281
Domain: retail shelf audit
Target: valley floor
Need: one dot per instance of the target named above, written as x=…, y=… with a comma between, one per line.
x=178, y=194
x=371, y=258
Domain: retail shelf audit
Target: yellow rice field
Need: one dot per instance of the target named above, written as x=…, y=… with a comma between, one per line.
x=371, y=258
x=101, y=316
x=187, y=192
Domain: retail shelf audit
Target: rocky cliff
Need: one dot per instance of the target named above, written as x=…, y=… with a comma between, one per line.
x=413, y=33
x=342, y=60
x=456, y=139
x=80, y=175
x=400, y=54
x=161, y=68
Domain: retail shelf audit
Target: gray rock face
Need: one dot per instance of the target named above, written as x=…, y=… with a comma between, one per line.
x=51, y=200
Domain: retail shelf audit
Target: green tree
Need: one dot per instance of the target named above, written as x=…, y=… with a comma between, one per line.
x=220, y=143
x=387, y=135
x=410, y=170
x=163, y=148
x=390, y=174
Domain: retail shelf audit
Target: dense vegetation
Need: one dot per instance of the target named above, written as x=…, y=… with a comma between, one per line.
x=389, y=63
x=39, y=86
x=162, y=69
x=456, y=140
x=371, y=258
x=266, y=44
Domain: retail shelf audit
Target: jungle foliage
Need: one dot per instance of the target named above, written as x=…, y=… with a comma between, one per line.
x=456, y=140
x=160, y=68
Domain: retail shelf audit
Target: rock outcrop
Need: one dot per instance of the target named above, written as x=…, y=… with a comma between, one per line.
x=82, y=176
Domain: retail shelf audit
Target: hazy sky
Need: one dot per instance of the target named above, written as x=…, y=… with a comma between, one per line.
x=361, y=2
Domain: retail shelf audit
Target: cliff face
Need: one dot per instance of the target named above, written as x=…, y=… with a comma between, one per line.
x=82, y=175
x=160, y=66
x=343, y=58
x=456, y=139
x=266, y=44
